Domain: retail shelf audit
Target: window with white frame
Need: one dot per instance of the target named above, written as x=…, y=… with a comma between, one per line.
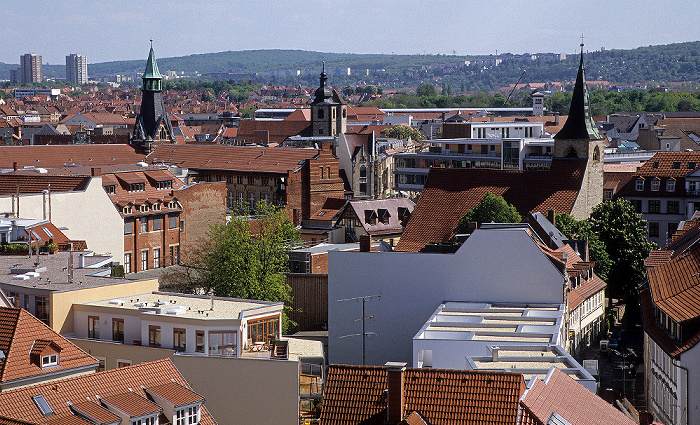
x=126, y=210
x=144, y=208
x=655, y=185
x=156, y=258
x=144, y=259
x=670, y=185
x=127, y=263
x=49, y=360
x=144, y=224
x=180, y=417
x=165, y=184
x=639, y=185
x=193, y=415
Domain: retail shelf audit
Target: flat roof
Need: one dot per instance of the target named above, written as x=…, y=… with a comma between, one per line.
x=187, y=305
x=52, y=273
x=472, y=321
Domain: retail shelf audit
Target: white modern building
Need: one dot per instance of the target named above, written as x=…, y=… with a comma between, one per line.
x=499, y=145
x=213, y=326
x=523, y=338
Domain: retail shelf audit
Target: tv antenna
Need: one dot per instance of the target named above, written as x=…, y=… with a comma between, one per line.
x=364, y=318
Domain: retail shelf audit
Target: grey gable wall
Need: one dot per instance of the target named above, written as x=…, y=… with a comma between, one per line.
x=495, y=265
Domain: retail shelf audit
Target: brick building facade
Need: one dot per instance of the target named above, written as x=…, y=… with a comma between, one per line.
x=298, y=179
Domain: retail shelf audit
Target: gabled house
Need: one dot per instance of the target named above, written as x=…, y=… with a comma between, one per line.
x=149, y=393
x=31, y=353
x=670, y=304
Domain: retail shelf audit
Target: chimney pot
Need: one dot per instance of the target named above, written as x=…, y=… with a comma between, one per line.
x=494, y=354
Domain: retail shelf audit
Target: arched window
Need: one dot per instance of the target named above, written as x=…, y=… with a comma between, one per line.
x=363, y=171
x=596, y=154
x=571, y=153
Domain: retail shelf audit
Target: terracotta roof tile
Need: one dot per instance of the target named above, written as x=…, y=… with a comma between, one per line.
x=11, y=182
x=570, y=400
x=657, y=257
x=450, y=193
x=175, y=394
x=132, y=404
x=672, y=346
x=110, y=384
x=662, y=164
x=95, y=411
x=675, y=286
x=51, y=156
x=20, y=332
x=233, y=158
x=357, y=394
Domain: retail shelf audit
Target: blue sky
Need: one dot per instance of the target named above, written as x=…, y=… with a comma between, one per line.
x=120, y=30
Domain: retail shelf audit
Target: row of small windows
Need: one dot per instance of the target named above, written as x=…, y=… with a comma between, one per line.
x=149, y=207
x=264, y=181
x=173, y=259
x=156, y=223
x=656, y=185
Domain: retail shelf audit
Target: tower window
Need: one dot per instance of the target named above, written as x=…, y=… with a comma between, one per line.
x=596, y=154
x=320, y=114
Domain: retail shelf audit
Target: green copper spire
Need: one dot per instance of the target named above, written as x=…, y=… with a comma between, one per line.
x=579, y=124
x=152, y=80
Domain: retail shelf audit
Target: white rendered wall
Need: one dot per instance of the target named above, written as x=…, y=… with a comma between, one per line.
x=503, y=265
x=87, y=215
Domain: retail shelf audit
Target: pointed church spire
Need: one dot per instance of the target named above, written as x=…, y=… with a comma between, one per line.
x=579, y=124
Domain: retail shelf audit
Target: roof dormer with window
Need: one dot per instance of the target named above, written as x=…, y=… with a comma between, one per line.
x=45, y=353
x=181, y=405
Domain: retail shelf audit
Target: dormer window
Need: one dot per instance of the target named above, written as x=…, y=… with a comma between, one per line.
x=655, y=184
x=50, y=360
x=172, y=205
x=670, y=185
x=144, y=208
x=156, y=206
x=127, y=210
x=145, y=421
x=187, y=416
x=164, y=185
x=137, y=187
x=110, y=189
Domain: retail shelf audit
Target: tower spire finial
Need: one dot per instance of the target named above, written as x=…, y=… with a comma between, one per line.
x=323, y=66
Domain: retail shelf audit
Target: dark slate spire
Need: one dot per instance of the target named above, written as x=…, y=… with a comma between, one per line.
x=579, y=125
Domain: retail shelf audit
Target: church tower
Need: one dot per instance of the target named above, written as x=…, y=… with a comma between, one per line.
x=580, y=138
x=328, y=110
x=153, y=125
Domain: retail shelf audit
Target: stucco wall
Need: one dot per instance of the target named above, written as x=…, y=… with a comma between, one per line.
x=85, y=215
x=491, y=266
x=237, y=391
x=61, y=303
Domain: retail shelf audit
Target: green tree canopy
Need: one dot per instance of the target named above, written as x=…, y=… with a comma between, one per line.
x=492, y=208
x=246, y=257
x=403, y=132
x=581, y=229
x=428, y=90
x=624, y=234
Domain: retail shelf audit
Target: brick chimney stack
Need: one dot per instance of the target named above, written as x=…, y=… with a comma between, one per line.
x=395, y=392
x=365, y=243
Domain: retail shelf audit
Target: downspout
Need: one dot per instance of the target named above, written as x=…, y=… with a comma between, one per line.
x=684, y=412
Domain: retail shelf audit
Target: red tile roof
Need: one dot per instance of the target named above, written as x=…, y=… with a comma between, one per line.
x=570, y=400
x=109, y=384
x=450, y=193
x=19, y=333
x=675, y=286
x=95, y=411
x=672, y=346
x=131, y=403
x=662, y=164
x=51, y=156
x=233, y=158
x=36, y=183
x=175, y=394
x=357, y=394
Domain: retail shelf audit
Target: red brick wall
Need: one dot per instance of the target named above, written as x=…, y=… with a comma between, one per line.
x=322, y=185
x=202, y=205
x=319, y=263
x=163, y=239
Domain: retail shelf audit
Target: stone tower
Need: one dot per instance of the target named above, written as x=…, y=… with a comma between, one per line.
x=580, y=138
x=153, y=124
x=328, y=110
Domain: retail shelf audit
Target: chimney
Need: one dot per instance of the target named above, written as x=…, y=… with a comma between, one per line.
x=365, y=243
x=394, y=391
x=551, y=216
x=556, y=118
x=18, y=131
x=492, y=119
x=96, y=171
x=14, y=165
x=494, y=353
x=471, y=226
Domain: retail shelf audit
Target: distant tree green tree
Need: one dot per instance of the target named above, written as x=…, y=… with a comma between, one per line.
x=403, y=132
x=491, y=208
x=624, y=234
x=348, y=90
x=427, y=90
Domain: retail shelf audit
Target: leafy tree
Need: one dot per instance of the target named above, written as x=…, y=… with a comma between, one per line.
x=492, y=208
x=427, y=90
x=581, y=229
x=624, y=234
x=246, y=258
x=348, y=91
x=403, y=132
